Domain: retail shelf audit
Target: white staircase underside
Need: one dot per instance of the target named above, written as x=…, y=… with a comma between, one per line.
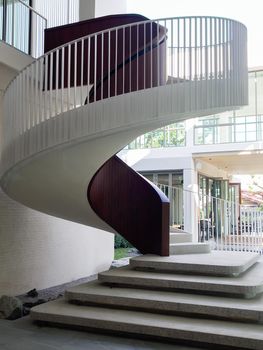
x=56, y=159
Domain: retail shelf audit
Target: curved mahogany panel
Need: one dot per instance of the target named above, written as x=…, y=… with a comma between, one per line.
x=133, y=206
x=138, y=59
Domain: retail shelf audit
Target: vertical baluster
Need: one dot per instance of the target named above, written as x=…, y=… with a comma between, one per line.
x=88, y=68
x=69, y=77
x=138, y=38
x=123, y=59
x=75, y=73
x=82, y=72
x=109, y=65
x=62, y=72
x=102, y=65
x=130, y=58
x=116, y=61
x=51, y=73
x=144, y=57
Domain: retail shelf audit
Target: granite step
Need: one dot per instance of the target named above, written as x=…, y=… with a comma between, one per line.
x=218, y=263
x=190, y=248
x=98, y=294
x=141, y=324
x=246, y=285
x=180, y=237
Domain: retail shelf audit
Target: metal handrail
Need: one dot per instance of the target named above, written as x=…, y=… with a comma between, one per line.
x=33, y=10
x=60, y=81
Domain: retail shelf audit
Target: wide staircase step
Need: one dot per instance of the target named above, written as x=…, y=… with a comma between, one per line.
x=189, y=248
x=216, y=263
x=240, y=335
x=212, y=299
x=246, y=285
x=98, y=294
x=180, y=237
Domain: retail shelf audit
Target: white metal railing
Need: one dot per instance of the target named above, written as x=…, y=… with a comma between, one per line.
x=201, y=60
x=226, y=224
x=23, y=27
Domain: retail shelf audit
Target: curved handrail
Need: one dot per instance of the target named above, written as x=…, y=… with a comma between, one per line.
x=206, y=54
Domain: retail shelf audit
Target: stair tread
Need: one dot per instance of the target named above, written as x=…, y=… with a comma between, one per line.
x=96, y=292
x=136, y=322
x=215, y=262
x=181, y=244
x=247, y=284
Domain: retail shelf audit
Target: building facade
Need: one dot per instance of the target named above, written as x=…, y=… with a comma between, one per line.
x=202, y=156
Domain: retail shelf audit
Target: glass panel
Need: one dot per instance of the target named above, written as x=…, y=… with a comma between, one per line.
x=169, y=136
x=17, y=24
x=259, y=76
x=148, y=177
x=251, y=108
x=1, y=18
x=163, y=179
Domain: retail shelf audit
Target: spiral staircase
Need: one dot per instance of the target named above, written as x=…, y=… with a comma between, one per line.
x=100, y=84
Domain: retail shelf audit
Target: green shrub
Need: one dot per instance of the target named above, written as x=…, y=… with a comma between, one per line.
x=120, y=242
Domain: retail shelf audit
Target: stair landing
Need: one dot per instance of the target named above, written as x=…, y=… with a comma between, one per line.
x=215, y=263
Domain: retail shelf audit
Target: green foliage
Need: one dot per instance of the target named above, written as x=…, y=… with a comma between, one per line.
x=120, y=242
x=120, y=253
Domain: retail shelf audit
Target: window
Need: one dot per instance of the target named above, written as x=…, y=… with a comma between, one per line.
x=170, y=136
x=15, y=23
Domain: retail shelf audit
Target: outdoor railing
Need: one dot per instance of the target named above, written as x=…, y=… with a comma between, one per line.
x=225, y=224
x=202, y=60
x=22, y=27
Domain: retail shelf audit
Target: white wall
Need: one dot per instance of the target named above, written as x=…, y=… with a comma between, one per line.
x=97, y=8
x=58, y=12
x=40, y=251
x=109, y=7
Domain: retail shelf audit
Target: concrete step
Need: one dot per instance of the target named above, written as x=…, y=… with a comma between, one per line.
x=219, y=263
x=246, y=285
x=180, y=237
x=98, y=294
x=141, y=324
x=189, y=248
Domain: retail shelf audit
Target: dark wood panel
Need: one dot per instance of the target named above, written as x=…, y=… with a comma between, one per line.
x=133, y=206
x=138, y=62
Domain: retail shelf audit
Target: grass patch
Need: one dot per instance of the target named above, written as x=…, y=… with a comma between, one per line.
x=120, y=253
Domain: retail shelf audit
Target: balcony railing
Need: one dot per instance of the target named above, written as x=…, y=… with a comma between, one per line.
x=242, y=129
x=22, y=27
x=225, y=224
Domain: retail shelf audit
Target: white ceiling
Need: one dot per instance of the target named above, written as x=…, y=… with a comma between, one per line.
x=235, y=163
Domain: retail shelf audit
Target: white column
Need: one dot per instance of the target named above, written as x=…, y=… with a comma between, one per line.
x=97, y=8
x=191, y=201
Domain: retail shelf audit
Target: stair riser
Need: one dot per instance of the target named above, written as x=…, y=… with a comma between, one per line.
x=179, y=238
x=162, y=307
x=192, y=249
x=170, y=285
x=141, y=330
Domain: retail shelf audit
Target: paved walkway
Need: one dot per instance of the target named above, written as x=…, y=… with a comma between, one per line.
x=22, y=334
